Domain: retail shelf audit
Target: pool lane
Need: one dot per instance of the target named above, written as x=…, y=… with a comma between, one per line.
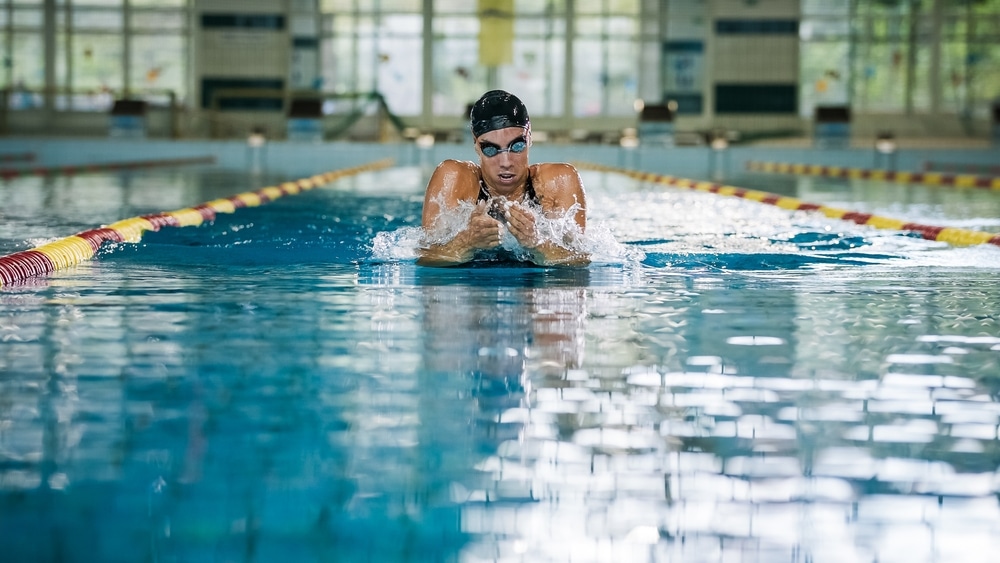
x=74, y=249
x=951, y=235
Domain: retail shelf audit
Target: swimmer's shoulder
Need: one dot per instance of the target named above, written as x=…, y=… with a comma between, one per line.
x=460, y=167
x=459, y=178
x=553, y=171
x=555, y=176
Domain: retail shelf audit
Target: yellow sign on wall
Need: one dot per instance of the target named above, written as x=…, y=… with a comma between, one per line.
x=496, y=32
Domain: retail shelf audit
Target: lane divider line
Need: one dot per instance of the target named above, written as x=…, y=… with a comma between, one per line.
x=17, y=157
x=960, y=237
x=74, y=249
x=929, y=178
x=70, y=169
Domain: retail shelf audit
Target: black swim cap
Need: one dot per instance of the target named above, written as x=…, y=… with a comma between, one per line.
x=497, y=109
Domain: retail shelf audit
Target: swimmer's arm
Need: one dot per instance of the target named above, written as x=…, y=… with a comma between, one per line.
x=543, y=253
x=444, y=193
x=454, y=252
x=566, y=190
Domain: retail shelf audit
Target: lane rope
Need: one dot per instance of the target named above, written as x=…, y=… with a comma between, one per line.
x=74, y=249
x=17, y=157
x=969, y=168
x=960, y=237
x=70, y=169
x=929, y=178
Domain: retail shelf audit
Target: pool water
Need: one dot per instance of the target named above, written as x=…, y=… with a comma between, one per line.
x=743, y=384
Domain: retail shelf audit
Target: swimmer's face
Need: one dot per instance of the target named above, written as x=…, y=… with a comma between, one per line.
x=507, y=169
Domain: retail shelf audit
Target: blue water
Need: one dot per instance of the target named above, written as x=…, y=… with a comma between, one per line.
x=744, y=384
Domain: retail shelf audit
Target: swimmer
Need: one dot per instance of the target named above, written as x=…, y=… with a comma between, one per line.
x=509, y=194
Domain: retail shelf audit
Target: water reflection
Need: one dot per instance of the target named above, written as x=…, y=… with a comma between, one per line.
x=404, y=413
x=196, y=405
x=692, y=422
x=484, y=337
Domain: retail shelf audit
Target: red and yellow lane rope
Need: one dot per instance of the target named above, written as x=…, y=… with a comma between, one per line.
x=72, y=250
x=945, y=234
x=11, y=173
x=929, y=178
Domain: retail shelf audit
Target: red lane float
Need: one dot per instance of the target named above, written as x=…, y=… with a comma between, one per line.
x=72, y=250
x=23, y=265
x=950, y=235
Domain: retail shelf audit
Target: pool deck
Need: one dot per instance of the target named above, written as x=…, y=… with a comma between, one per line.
x=297, y=158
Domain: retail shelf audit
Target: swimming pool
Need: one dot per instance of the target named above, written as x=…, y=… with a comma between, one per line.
x=743, y=383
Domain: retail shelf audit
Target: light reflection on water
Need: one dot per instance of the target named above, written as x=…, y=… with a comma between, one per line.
x=839, y=404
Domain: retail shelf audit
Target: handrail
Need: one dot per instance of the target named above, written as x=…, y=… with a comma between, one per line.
x=172, y=105
x=285, y=96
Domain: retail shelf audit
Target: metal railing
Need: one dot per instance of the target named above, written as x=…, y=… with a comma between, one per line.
x=341, y=122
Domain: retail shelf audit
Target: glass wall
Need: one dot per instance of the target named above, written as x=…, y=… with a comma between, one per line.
x=608, y=42
x=23, y=51
x=537, y=57
x=457, y=77
x=94, y=35
x=901, y=56
x=606, y=51
x=99, y=49
x=158, y=47
x=825, y=54
x=569, y=59
x=374, y=47
x=971, y=56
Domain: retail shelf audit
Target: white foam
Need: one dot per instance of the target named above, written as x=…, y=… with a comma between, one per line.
x=597, y=241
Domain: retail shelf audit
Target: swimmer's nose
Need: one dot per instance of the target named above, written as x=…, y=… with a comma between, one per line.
x=507, y=162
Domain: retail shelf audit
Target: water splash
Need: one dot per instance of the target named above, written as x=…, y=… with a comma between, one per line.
x=399, y=245
x=598, y=241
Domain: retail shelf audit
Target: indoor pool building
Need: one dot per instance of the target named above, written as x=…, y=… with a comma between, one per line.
x=220, y=339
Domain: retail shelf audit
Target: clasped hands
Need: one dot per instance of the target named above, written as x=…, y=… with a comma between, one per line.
x=485, y=233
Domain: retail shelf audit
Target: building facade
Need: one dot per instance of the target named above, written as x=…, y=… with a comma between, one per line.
x=216, y=68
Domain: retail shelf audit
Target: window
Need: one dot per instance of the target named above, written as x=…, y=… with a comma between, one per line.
x=25, y=53
x=824, y=56
x=606, y=48
x=92, y=41
x=158, y=49
x=365, y=51
x=921, y=56
x=535, y=73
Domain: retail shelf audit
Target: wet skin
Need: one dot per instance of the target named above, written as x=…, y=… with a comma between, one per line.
x=557, y=187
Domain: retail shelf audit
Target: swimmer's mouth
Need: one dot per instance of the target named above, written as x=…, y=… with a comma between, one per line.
x=506, y=177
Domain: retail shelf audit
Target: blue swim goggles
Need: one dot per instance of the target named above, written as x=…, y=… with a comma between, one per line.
x=516, y=146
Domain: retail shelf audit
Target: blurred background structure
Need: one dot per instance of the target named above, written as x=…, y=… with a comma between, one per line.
x=588, y=70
